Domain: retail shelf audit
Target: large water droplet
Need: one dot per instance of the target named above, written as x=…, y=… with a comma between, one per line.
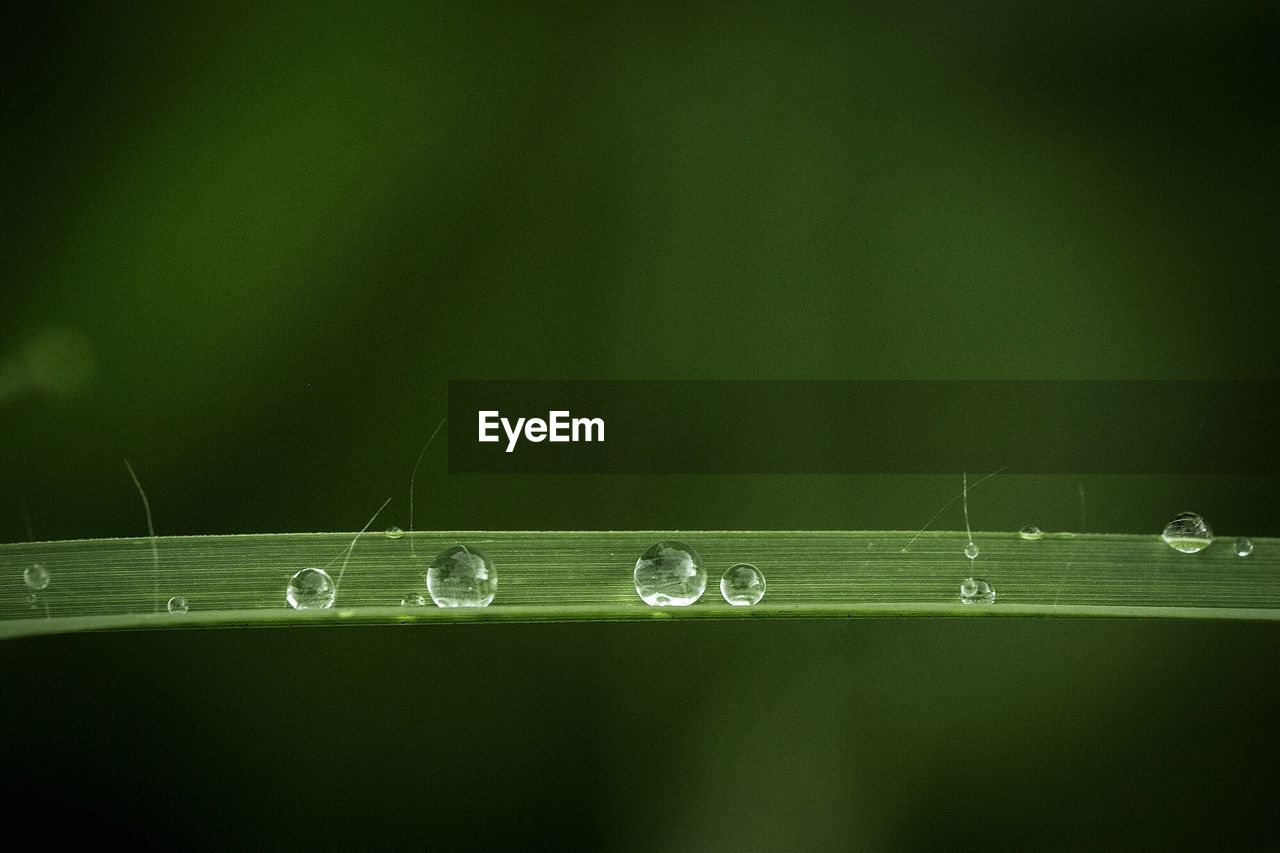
x=462, y=577
x=976, y=591
x=1244, y=546
x=413, y=600
x=394, y=532
x=670, y=574
x=1188, y=533
x=742, y=585
x=1031, y=532
x=311, y=589
x=971, y=550
x=36, y=576
x=177, y=604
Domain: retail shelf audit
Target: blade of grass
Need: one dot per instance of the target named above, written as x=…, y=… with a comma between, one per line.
x=568, y=575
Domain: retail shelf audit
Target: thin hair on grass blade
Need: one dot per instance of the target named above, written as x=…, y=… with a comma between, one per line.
x=151, y=533
x=413, y=480
x=968, y=531
x=1084, y=507
x=337, y=584
x=963, y=495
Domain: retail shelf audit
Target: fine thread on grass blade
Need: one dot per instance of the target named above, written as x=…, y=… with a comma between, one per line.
x=967, y=529
x=1062, y=577
x=413, y=479
x=337, y=585
x=151, y=532
x=941, y=509
x=1067, y=570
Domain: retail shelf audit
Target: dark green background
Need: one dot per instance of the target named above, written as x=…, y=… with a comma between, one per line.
x=274, y=235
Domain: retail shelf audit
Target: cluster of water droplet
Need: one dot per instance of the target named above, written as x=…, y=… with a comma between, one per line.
x=459, y=576
x=976, y=591
x=672, y=574
x=668, y=574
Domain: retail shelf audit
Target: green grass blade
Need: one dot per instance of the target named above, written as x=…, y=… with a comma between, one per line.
x=557, y=575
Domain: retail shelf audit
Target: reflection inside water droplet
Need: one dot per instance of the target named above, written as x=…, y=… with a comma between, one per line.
x=36, y=576
x=1188, y=533
x=742, y=585
x=976, y=591
x=462, y=577
x=670, y=574
x=311, y=589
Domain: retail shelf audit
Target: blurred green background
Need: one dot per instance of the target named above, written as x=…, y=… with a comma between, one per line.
x=246, y=247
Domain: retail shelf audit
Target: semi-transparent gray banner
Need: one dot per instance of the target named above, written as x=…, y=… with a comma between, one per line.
x=863, y=427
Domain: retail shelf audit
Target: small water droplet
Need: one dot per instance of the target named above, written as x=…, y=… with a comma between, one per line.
x=670, y=574
x=976, y=591
x=413, y=600
x=1031, y=532
x=742, y=585
x=178, y=604
x=462, y=577
x=394, y=532
x=36, y=576
x=311, y=589
x=1188, y=533
x=1244, y=546
x=33, y=600
x=971, y=550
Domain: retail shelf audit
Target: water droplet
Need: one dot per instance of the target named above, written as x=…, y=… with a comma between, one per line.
x=33, y=600
x=37, y=576
x=976, y=591
x=311, y=589
x=178, y=604
x=462, y=577
x=670, y=574
x=971, y=550
x=1031, y=532
x=394, y=532
x=1188, y=533
x=413, y=600
x=1244, y=546
x=742, y=585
